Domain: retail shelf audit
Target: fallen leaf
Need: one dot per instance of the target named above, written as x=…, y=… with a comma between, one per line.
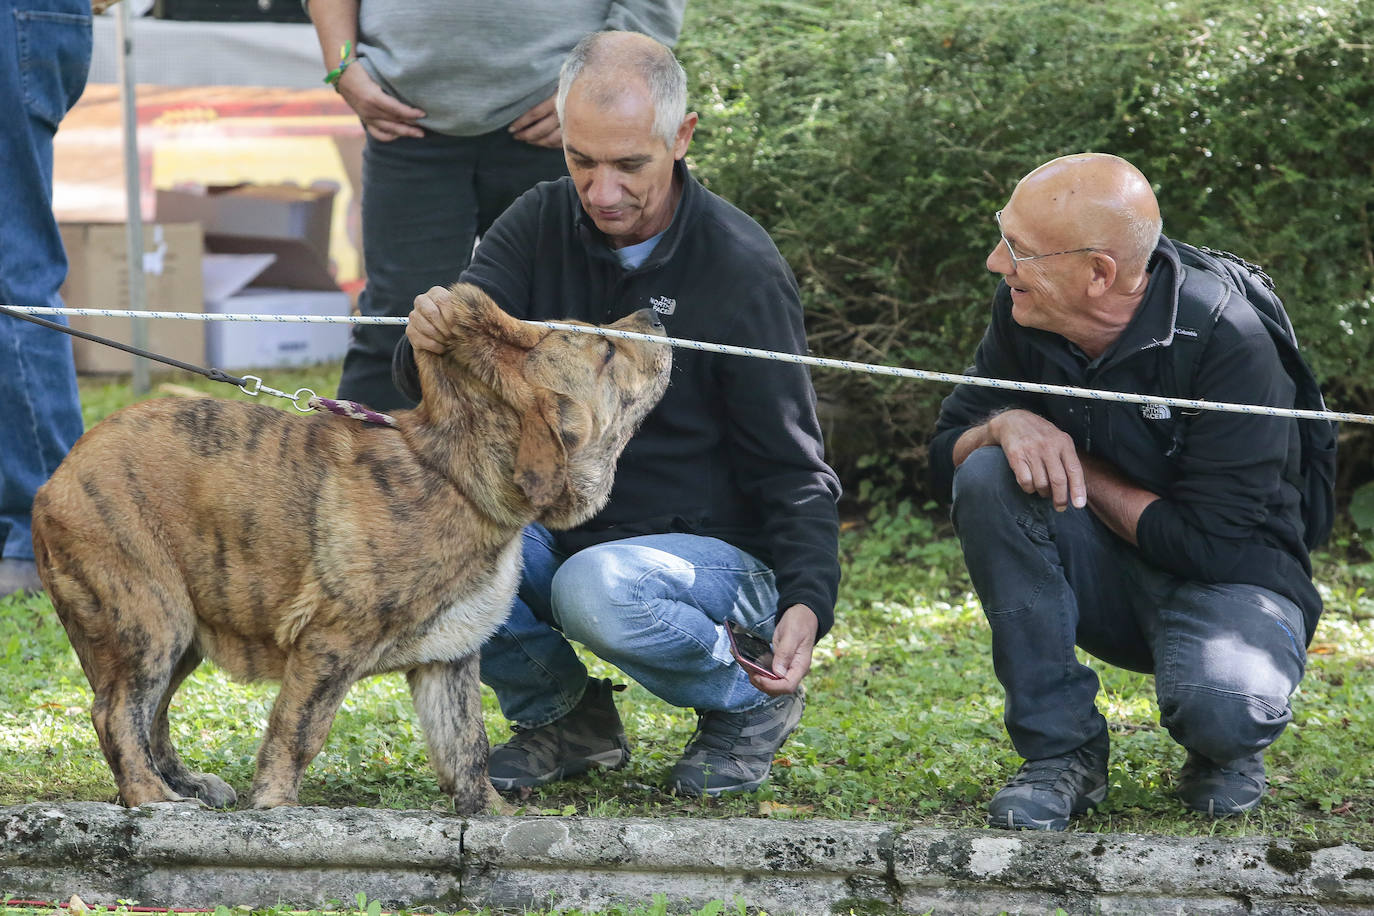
x=767, y=808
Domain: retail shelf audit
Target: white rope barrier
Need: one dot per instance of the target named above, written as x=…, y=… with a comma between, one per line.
x=817, y=361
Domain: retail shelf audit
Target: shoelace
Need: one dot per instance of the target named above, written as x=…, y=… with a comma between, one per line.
x=1047, y=773
x=718, y=731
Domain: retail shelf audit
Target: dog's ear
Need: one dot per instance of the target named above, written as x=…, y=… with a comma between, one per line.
x=480, y=317
x=541, y=460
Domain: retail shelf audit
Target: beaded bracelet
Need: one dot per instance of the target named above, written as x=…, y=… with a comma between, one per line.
x=332, y=77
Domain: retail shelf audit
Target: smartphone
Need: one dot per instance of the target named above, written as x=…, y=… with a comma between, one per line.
x=752, y=651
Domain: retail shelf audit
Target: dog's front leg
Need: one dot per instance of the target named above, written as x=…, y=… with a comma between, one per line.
x=313, y=687
x=448, y=701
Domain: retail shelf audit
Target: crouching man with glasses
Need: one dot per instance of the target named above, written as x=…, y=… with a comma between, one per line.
x=1088, y=523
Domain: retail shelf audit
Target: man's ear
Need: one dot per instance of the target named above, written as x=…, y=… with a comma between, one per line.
x=541, y=459
x=1103, y=273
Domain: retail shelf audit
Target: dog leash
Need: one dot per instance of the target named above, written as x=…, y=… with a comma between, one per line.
x=304, y=400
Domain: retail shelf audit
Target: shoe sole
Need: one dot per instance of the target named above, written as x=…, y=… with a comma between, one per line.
x=1213, y=809
x=1017, y=820
x=683, y=788
x=608, y=760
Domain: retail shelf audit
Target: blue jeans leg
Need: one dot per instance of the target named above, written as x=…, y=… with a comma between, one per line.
x=653, y=606
x=425, y=200
x=527, y=662
x=1013, y=554
x=45, y=51
x=1226, y=657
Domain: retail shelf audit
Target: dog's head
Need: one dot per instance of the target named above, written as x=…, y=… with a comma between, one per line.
x=577, y=397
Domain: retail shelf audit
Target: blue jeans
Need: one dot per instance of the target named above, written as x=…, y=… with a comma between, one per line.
x=653, y=606
x=1226, y=657
x=425, y=200
x=45, y=52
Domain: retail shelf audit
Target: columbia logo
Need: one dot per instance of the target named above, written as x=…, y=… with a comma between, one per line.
x=1155, y=411
x=663, y=305
x=1186, y=332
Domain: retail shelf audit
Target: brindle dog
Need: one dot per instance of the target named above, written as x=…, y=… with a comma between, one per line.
x=318, y=550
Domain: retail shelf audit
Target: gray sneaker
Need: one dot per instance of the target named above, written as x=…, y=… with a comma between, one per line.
x=1045, y=793
x=1219, y=789
x=734, y=751
x=589, y=735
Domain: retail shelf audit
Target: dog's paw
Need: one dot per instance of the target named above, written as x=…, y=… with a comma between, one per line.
x=215, y=792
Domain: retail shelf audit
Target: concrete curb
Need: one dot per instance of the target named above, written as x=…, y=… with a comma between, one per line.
x=181, y=856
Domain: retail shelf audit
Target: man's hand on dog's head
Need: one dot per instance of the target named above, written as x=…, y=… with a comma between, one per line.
x=428, y=328
x=794, y=639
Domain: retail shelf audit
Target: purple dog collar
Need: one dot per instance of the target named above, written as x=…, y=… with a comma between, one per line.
x=351, y=409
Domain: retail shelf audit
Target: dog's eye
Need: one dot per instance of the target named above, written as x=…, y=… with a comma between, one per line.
x=610, y=351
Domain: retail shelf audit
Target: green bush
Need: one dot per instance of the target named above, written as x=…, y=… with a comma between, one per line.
x=874, y=140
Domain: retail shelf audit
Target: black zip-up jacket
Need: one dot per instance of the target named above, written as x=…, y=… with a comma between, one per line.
x=1227, y=511
x=734, y=449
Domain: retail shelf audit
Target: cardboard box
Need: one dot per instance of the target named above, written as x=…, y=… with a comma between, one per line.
x=282, y=211
x=98, y=277
x=261, y=276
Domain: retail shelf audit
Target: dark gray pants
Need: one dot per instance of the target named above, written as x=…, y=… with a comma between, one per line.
x=425, y=200
x=1226, y=657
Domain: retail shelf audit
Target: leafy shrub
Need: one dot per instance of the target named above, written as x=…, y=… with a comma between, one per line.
x=874, y=140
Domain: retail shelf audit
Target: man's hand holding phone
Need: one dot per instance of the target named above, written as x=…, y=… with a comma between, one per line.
x=779, y=668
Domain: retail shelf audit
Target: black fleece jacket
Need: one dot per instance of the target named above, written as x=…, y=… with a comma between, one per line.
x=734, y=449
x=1228, y=511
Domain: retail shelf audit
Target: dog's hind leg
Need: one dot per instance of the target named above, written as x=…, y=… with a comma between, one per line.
x=448, y=702
x=128, y=669
x=207, y=787
x=314, y=684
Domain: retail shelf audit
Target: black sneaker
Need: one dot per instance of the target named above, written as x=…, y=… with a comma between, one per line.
x=1219, y=789
x=1045, y=793
x=589, y=735
x=734, y=751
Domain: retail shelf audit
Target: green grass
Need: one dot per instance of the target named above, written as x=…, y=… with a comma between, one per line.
x=903, y=722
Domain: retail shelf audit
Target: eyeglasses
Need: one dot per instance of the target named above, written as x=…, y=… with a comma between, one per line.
x=1017, y=259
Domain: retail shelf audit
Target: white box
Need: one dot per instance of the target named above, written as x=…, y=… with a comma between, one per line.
x=269, y=277
x=234, y=345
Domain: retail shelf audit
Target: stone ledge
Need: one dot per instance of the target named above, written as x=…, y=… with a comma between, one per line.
x=182, y=856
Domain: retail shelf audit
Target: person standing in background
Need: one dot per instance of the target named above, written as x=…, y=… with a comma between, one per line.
x=458, y=103
x=45, y=55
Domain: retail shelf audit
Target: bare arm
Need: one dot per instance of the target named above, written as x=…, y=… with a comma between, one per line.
x=385, y=117
x=1116, y=501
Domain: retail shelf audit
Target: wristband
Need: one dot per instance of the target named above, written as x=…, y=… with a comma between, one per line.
x=332, y=77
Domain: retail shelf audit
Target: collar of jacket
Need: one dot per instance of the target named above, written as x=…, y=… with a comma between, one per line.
x=595, y=240
x=1156, y=319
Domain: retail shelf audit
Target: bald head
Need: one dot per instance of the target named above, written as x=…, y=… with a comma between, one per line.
x=1094, y=199
x=606, y=66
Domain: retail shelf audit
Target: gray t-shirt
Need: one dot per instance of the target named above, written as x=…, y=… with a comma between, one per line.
x=474, y=66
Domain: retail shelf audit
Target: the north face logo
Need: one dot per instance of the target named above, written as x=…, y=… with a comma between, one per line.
x=1155, y=411
x=663, y=305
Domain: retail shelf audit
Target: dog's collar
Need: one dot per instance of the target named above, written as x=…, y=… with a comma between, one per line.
x=353, y=410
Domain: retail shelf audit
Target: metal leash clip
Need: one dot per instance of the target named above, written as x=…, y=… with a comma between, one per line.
x=252, y=386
